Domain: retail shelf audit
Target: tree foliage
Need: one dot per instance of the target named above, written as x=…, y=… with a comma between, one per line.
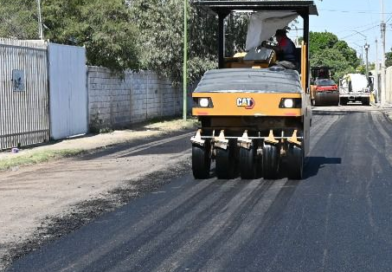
x=123, y=34
x=103, y=27
x=161, y=37
x=388, y=61
x=327, y=50
x=148, y=34
x=18, y=19
x=160, y=26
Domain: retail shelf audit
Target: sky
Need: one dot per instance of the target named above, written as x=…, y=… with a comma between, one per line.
x=345, y=18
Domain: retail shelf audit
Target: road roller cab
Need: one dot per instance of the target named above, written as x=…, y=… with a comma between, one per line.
x=254, y=112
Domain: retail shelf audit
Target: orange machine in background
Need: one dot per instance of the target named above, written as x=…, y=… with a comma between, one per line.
x=323, y=90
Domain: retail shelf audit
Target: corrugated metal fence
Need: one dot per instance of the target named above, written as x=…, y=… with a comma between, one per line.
x=24, y=96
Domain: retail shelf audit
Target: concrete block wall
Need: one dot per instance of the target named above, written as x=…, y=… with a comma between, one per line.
x=116, y=102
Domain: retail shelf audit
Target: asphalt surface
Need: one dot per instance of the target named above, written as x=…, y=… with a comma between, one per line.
x=338, y=218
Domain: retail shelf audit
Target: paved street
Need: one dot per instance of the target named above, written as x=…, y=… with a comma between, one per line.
x=338, y=218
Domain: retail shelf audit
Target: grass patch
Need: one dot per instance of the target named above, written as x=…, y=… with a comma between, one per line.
x=32, y=157
x=37, y=157
x=173, y=124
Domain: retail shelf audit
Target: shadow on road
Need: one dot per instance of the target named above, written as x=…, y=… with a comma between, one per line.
x=130, y=149
x=334, y=112
x=314, y=164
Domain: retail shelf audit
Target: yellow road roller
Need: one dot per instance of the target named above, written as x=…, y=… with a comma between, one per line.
x=254, y=111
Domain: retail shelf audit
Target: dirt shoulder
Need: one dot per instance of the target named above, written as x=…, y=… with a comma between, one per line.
x=87, y=144
x=42, y=201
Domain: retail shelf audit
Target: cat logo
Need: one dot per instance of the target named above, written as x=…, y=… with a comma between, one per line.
x=247, y=103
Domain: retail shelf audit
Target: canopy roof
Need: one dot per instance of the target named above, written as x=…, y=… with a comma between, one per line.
x=301, y=7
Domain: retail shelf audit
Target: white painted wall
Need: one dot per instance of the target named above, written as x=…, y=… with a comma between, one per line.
x=389, y=85
x=68, y=91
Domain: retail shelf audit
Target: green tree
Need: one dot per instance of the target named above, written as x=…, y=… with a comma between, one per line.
x=321, y=40
x=203, y=39
x=160, y=25
x=349, y=54
x=103, y=27
x=236, y=30
x=388, y=61
x=327, y=50
x=122, y=34
x=202, y=43
x=18, y=19
x=161, y=37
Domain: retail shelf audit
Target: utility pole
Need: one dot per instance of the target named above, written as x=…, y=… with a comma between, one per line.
x=40, y=29
x=376, y=76
x=366, y=46
x=184, y=76
x=383, y=85
x=360, y=53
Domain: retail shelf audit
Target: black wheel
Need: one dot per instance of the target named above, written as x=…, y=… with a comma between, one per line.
x=365, y=101
x=270, y=161
x=316, y=100
x=295, y=162
x=225, y=167
x=335, y=100
x=248, y=163
x=201, y=161
x=343, y=101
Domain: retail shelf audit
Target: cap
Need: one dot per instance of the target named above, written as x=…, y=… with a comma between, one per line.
x=281, y=32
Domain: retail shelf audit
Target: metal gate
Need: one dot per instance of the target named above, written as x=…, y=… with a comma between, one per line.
x=68, y=91
x=24, y=96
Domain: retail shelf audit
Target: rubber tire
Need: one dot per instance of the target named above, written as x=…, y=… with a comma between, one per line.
x=365, y=101
x=295, y=162
x=337, y=101
x=225, y=167
x=270, y=161
x=201, y=161
x=343, y=101
x=248, y=163
x=316, y=101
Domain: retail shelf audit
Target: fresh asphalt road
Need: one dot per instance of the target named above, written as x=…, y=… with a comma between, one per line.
x=338, y=218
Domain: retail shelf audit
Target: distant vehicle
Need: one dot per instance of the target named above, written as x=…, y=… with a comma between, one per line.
x=324, y=91
x=354, y=87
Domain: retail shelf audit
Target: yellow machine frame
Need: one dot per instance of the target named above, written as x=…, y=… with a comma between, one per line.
x=265, y=131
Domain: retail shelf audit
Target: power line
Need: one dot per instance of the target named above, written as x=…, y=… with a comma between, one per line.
x=371, y=16
x=373, y=23
x=361, y=30
x=353, y=11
